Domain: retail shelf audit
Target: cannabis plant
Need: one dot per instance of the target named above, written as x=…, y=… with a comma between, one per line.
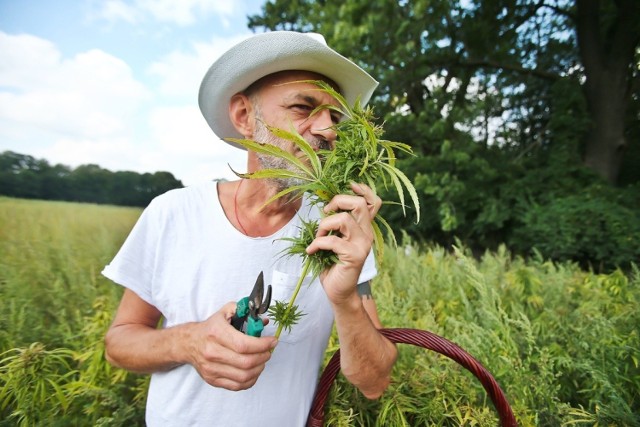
x=360, y=155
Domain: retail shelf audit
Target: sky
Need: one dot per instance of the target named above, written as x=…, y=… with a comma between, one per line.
x=115, y=82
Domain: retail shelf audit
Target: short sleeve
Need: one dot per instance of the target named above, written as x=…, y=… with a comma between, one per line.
x=134, y=264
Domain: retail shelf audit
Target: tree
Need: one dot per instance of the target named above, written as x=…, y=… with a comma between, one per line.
x=608, y=37
x=503, y=103
x=90, y=184
x=20, y=174
x=54, y=182
x=490, y=66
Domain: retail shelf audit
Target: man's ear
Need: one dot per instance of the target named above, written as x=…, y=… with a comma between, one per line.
x=241, y=114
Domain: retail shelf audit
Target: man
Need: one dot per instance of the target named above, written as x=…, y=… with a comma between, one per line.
x=195, y=251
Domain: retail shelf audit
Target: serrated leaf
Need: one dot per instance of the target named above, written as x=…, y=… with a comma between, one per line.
x=272, y=150
x=397, y=173
x=273, y=174
x=302, y=144
x=385, y=224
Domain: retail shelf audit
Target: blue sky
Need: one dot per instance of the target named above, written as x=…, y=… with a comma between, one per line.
x=115, y=82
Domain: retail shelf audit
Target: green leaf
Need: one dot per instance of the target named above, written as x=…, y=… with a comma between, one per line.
x=271, y=150
x=410, y=188
x=302, y=144
x=285, y=316
x=274, y=173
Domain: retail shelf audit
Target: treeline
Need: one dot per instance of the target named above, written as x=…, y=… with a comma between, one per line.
x=26, y=177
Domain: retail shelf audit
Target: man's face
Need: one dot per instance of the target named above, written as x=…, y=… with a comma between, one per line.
x=283, y=104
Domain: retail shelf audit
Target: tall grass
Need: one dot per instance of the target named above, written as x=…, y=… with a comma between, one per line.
x=51, y=255
x=563, y=343
x=55, y=310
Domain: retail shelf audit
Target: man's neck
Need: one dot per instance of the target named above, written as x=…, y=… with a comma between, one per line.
x=244, y=205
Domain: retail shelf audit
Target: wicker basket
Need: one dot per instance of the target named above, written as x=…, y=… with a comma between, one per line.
x=429, y=341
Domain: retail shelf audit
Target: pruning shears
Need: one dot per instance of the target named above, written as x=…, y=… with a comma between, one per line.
x=247, y=318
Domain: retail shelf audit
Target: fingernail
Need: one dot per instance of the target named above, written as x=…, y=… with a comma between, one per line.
x=274, y=343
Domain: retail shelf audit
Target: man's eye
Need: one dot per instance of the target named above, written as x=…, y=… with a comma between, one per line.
x=302, y=107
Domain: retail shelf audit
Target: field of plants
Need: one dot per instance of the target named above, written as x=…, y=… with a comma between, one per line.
x=563, y=343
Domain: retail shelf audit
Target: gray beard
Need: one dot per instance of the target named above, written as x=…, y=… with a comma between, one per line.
x=263, y=135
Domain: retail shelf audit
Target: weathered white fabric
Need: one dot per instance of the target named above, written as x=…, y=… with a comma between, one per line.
x=185, y=258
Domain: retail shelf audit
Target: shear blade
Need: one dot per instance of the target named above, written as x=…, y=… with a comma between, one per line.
x=256, y=305
x=267, y=301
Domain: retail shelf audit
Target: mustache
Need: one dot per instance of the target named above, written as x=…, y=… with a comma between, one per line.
x=320, y=143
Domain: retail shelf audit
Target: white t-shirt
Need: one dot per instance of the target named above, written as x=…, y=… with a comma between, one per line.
x=185, y=258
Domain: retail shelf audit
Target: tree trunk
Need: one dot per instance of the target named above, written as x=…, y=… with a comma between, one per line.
x=605, y=142
x=607, y=55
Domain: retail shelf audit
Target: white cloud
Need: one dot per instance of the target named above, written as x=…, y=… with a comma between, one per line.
x=118, y=10
x=107, y=153
x=91, y=95
x=89, y=108
x=183, y=142
x=180, y=130
x=73, y=111
x=182, y=13
x=180, y=72
x=25, y=59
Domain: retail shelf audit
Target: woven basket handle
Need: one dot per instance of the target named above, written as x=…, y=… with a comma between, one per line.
x=429, y=341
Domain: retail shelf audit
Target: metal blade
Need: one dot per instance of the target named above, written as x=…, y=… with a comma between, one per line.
x=255, y=297
x=267, y=301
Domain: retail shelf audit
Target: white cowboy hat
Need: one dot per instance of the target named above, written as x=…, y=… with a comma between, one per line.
x=267, y=53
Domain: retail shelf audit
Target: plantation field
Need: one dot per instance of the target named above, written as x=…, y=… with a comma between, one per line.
x=562, y=343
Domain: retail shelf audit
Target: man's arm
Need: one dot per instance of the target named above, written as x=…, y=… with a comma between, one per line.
x=222, y=356
x=366, y=356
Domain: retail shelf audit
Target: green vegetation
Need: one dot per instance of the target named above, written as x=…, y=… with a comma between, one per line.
x=55, y=310
x=523, y=117
x=361, y=156
x=510, y=109
x=562, y=342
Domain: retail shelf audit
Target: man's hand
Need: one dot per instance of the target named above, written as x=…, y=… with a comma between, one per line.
x=225, y=357
x=366, y=357
x=352, y=243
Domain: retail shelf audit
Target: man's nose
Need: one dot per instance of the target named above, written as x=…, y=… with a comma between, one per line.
x=322, y=126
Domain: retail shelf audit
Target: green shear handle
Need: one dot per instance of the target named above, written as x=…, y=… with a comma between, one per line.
x=247, y=317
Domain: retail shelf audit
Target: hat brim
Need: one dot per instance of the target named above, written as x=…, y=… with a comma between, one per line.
x=268, y=53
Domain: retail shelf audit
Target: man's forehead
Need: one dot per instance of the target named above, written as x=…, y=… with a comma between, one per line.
x=289, y=77
x=311, y=95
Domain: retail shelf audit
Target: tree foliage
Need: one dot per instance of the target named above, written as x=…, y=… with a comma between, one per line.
x=511, y=106
x=26, y=177
x=490, y=65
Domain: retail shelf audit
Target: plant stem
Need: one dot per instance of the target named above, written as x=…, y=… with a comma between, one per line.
x=303, y=274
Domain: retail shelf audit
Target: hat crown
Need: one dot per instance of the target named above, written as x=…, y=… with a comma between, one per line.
x=317, y=37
